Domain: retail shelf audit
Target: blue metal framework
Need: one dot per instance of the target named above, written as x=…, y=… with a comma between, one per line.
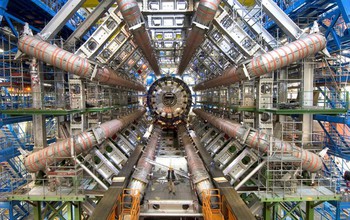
x=334, y=18
x=14, y=141
x=335, y=23
x=35, y=12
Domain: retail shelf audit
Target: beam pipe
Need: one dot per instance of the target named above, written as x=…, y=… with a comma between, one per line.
x=84, y=141
x=268, y=62
x=263, y=142
x=72, y=63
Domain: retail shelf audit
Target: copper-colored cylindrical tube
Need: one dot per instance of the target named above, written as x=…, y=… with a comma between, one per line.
x=73, y=63
x=206, y=11
x=199, y=174
x=204, y=16
x=262, y=141
x=269, y=62
x=84, y=141
x=140, y=176
x=132, y=15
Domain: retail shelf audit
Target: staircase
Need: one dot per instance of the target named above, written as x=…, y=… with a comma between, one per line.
x=14, y=210
x=334, y=168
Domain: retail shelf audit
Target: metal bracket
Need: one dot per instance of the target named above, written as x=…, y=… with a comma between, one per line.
x=94, y=72
x=246, y=73
x=245, y=136
x=99, y=134
x=201, y=26
x=136, y=26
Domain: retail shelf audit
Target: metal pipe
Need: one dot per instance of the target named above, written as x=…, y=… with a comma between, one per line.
x=73, y=63
x=91, y=173
x=199, y=174
x=139, y=177
x=84, y=141
x=203, y=17
x=268, y=62
x=256, y=169
x=263, y=142
x=133, y=17
x=193, y=41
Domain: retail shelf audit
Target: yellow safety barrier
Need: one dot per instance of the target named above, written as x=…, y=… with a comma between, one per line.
x=130, y=205
x=212, y=205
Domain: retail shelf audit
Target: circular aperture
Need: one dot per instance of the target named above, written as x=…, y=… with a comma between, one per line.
x=169, y=99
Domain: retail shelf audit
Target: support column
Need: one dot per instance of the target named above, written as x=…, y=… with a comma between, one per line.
x=308, y=87
x=76, y=210
x=11, y=208
x=310, y=211
x=39, y=126
x=281, y=98
x=78, y=122
x=37, y=210
x=3, y=5
x=264, y=100
x=60, y=97
x=268, y=209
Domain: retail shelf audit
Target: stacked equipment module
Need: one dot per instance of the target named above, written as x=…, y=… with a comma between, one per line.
x=268, y=62
x=84, y=141
x=263, y=142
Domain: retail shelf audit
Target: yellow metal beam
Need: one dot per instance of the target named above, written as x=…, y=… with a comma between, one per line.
x=90, y=3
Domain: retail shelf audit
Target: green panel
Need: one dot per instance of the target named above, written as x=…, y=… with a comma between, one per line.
x=243, y=108
x=57, y=112
x=310, y=211
x=37, y=211
x=47, y=198
x=304, y=111
x=298, y=198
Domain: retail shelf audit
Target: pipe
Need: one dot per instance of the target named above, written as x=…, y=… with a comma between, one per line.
x=268, y=62
x=139, y=177
x=194, y=40
x=199, y=174
x=263, y=142
x=203, y=17
x=256, y=169
x=132, y=16
x=84, y=141
x=73, y=63
x=90, y=173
